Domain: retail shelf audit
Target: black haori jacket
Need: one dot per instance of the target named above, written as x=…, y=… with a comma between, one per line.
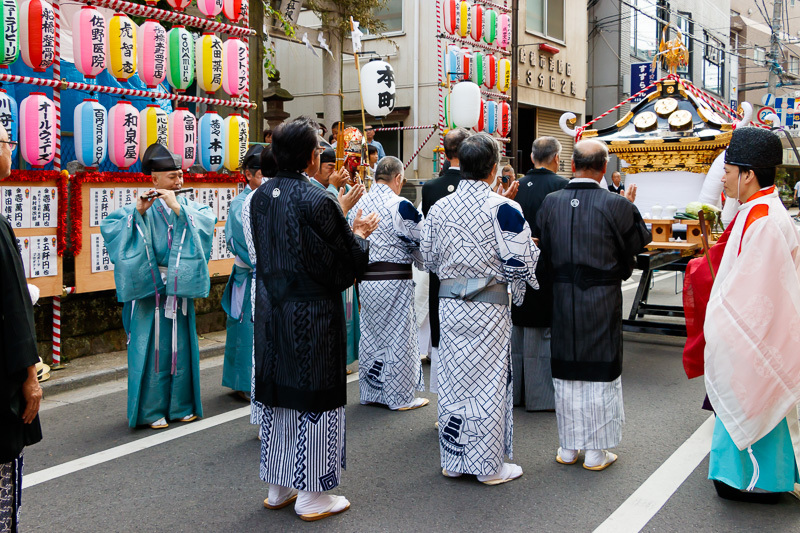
x=306, y=256
x=591, y=238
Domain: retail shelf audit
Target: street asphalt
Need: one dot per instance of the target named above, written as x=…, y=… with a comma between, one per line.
x=208, y=480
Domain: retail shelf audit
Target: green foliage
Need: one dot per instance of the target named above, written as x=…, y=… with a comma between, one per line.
x=362, y=11
x=269, y=47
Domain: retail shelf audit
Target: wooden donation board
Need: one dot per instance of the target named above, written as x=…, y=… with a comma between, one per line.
x=32, y=209
x=94, y=270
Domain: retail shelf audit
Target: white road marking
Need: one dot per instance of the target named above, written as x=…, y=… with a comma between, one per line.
x=632, y=284
x=650, y=497
x=48, y=474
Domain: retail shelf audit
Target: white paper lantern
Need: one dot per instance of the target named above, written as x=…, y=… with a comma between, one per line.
x=465, y=104
x=182, y=136
x=90, y=133
x=378, y=88
x=123, y=134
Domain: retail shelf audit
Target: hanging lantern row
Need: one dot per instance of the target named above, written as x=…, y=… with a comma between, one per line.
x=465, y=19
x=464, y=108
x=482, y=69
x=210, y=8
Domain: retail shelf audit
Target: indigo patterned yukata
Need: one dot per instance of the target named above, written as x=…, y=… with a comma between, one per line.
x=478, y=244
x=389, y=368
x=160, y=266
x=237, y=369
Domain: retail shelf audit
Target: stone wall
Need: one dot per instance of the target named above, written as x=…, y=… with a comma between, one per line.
x=92, y=323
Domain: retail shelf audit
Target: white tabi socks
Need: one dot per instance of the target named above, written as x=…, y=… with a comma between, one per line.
x=279, y=495
x=318, y=503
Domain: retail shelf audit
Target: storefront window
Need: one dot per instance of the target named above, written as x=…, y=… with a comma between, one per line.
x=713, y=64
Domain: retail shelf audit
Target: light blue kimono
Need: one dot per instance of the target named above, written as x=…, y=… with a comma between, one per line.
x=160, y=265
x=237, y=369
x=349, y=300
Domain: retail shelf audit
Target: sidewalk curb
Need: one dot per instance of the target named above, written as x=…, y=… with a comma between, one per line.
x=57, y=386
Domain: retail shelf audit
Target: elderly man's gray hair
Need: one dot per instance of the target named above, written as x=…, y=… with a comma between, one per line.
x=388, y=167
x=545, y=149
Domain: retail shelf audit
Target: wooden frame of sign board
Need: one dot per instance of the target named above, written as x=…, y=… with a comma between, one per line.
x=88, y=281
x=50, y=285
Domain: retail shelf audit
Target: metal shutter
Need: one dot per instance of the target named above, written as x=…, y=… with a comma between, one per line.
x=547, y=125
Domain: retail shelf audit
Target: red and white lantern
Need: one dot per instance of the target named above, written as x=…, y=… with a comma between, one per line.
x=123, y=134
x=37, y=129
x=489, y=71
x=183, y=136
x=152, y=51
x=89, y=41
x=466, y=64
x=232, y=9
x=210, y=8
x=476, y=22
x=235, y=67
x=503, y=119
x=481, y=125
x=450, y=15
x=37, y=24
x=179, y=5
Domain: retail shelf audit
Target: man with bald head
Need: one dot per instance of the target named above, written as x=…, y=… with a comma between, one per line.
x=590, y=239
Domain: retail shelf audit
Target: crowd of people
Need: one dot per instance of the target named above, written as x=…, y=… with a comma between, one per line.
x=524, y=307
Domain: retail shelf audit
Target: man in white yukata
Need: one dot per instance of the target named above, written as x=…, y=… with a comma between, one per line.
x=590, y=238
x=389, y=367
x=479, y=245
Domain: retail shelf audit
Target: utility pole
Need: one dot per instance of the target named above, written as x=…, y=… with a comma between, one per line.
x=775, y=50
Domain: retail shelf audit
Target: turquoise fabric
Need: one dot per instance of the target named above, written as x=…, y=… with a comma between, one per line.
x=237, y=368
x=349, y=301
x=138, y=245
x=774, y=454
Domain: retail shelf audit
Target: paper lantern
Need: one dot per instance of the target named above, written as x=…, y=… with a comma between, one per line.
x=9, y=32
x=123, y=134
x=179, y=5
x=489, y=71
x=465, y=62
x=476, y=69
x=503, y=75
x=153, y=127
x=504, y=31
x=450, y=15
x=209, y=141
x=448, y=116
x=37, y=25
x=235, y=67
x=481, y=125
x=89, y=41
x=152, y=53
x=208, y=62
x=90, y=133
x=235, y=137
x=503, y=119
x=465, y=104
x=463, y=18
x=378, y=88
x=489, y=26
x=476, y=22
x=490, y=117
x=451, y=62
x=37, y=129
x=180, y=58
x=232, y=9
x=210, y=8
x=182, y=137
x=9, y=117
x=121, y=47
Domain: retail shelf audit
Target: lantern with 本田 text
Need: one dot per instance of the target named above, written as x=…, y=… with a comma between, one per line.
x=504, y=31
x=90, y=133
x=450, y=15
x=153, y=127
x=489, y=71
x=9, y=117
x=37, y=25
x=123, y=134
x=209, y=141
x=152, y=53
x=463, y=18
x=503, y=75
x=235, y=67
x=180, y=58
x=37, y=129
x=9, y=32
x=235, y=136
x=210, y=8
x=481, y=125
x=476, y=22
x=489, y=26
x=89, y=41
x=182, y=138
x=503, y=119
x=465, y=104
x=121, y=47
x=476, y=68
x=208, y=62
x=232, y=9
x=489, y=116
x=179, y=5
x=378, y=88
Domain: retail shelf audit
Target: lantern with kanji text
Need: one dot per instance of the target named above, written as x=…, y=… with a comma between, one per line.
x=489, y=33
x=378, y=88
x=476, y=22
x=9, y=32
x=503, y=75
x=121, y=47
x=37, y=129
x=209, y=141
x=153, y=127
x=123, y=134
x=503, y=119
x=182, y=138
x=235, y=136
x=208, y=62
x=37, y=25
x=152, y=53
x=210, y=8
x=89, y=41
x=235, y=67
x=9, y=117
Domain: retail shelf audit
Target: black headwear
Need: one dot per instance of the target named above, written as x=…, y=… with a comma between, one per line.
x=754, y=147
x=328, y=156
x=158, y=159
x=252, y=159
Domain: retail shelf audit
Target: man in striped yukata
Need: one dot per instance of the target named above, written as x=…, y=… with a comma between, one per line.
x=590, y=238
